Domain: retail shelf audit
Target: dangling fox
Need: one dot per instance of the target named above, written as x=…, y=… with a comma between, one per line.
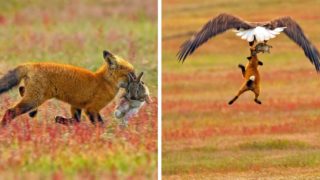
x=82, y=89
x=251, y=74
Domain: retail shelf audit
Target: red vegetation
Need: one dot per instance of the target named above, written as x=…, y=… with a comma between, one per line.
x=3, y=20
x=43, y=137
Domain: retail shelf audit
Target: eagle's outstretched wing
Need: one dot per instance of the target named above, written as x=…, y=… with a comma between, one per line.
x=217, y=25
x=294, y=32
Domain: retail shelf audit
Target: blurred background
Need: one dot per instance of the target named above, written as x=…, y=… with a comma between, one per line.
x=76, y=32
x=203, y=137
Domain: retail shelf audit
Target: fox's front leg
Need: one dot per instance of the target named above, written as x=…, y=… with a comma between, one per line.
x=256, y=91
x=76, y=116
x=243, y=69
x=76, y=113
x=33, y=113
x=94, y=117
x=243, y=89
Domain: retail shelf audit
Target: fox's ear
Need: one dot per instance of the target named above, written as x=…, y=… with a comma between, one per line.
x=110, y=59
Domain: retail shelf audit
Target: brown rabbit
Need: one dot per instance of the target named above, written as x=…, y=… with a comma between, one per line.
x=137, y=93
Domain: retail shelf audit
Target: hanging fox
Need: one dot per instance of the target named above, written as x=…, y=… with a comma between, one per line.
x=251, y=73
x=82, y=89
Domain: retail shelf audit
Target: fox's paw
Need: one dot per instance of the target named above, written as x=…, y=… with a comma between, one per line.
x=8, y=116
x=241, y=66
x=65, y=121
x=233, y=100
x=257, y=101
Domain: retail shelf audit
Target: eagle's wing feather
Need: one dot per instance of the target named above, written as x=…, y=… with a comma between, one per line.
x=217, y=25
x=295, y=32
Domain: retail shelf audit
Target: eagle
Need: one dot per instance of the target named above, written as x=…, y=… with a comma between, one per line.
x=251, y=32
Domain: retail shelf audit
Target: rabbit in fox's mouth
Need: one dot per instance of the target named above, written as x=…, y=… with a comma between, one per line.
x=137, y=93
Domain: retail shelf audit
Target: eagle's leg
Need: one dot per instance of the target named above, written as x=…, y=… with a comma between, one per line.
x=251, y=43
x=265, y=43
x=243, y=69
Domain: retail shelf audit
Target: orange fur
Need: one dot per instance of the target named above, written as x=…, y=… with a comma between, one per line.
x=82, y=89
x=251, y=70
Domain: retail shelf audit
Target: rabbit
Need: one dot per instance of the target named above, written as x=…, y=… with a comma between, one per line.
x=136, y=95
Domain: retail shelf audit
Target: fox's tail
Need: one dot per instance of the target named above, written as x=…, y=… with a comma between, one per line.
x=250, y=81
x=12, y=78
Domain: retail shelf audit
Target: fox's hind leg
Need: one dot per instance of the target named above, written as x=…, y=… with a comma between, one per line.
x=22, y=91
x=26, y=104
x=94, y=116
x=243, y=89
x=76, y=113
x=256, y=92
x=76, y=116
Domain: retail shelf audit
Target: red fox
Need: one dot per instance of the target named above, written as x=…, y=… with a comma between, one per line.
x=251, y=76
x=82, y=89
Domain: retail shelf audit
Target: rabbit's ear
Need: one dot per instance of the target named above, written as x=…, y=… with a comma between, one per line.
x=130, y=78
x=133, y=75
x=139, y=77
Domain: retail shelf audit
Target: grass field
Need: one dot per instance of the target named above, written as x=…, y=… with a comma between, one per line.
x=76, y=32
x=205, y=138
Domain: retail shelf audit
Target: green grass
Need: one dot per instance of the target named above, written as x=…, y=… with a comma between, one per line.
x=184, y=162
x=274, y=144
x=80, y=40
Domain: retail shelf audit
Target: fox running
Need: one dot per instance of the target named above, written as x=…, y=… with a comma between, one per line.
x=251, y=73
x=82, y=89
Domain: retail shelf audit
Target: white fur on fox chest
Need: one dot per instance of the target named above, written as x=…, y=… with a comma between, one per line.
x=258, y=33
